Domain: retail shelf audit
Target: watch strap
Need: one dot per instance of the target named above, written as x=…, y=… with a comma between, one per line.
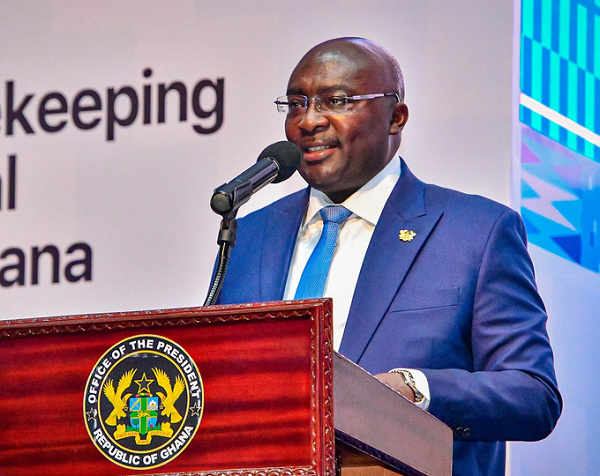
x=410, y=382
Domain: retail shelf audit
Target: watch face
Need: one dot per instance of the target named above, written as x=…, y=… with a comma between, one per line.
x=419, y=397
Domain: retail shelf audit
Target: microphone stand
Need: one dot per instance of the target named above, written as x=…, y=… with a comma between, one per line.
x=276, y=163
x=226, y=241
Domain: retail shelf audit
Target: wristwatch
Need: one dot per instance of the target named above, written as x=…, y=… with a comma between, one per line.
x=410, y=382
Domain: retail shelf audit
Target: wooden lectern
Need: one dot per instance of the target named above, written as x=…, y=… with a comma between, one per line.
x=245, y=390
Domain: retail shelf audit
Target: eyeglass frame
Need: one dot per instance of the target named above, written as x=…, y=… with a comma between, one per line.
x=319, y=105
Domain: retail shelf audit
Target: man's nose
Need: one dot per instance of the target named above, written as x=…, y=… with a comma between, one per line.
x=312, y=117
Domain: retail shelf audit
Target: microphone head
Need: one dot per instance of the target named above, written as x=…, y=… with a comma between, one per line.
x=286, y=155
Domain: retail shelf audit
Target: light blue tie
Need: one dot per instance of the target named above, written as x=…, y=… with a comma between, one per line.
x=314, y=276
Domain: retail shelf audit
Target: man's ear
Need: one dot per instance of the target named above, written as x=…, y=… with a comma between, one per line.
x=399, y=118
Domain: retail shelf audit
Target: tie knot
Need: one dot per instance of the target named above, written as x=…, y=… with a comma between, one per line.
x=335, y=213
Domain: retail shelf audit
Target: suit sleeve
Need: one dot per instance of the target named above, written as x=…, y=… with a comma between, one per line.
x=511, y=394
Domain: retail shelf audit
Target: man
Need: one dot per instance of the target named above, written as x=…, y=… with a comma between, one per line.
x=433, y=289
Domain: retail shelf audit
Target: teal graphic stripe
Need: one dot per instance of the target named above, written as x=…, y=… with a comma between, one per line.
x=560, y=67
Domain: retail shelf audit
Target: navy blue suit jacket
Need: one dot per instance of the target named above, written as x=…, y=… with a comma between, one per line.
x=458, y=302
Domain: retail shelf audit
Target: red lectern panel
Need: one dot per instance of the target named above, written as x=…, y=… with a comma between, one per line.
x=266, y=372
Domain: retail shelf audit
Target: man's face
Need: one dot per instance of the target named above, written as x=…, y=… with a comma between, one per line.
x=343, y=150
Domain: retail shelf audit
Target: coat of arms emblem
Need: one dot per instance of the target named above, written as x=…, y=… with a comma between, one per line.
x=143, y=402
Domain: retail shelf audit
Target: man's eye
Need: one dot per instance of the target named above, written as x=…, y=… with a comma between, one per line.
x=337, y=101
x=295, y=103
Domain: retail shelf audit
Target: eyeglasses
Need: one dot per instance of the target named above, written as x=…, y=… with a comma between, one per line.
x=296, y=104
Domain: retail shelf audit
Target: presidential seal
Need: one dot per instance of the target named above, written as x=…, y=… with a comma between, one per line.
x=143, y=402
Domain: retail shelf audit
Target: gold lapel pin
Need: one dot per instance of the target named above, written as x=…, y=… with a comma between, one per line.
x=406, y=235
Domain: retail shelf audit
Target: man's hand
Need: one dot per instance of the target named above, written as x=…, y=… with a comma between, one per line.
x=396, y=382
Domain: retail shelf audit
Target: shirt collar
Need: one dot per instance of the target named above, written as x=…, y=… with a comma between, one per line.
x=366, y=203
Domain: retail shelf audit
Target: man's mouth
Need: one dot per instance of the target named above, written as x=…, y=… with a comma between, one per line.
x=317, y=153
x=317, y=148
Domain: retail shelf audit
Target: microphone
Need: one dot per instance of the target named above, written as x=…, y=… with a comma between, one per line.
x=276, y=163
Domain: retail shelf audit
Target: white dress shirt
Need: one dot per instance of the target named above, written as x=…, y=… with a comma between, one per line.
x=366, y=205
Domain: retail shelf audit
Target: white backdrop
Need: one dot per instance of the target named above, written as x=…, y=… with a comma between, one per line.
x=140, y=201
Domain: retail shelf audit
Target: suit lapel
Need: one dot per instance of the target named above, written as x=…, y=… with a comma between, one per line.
x=387, y=261
x=279, y=239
